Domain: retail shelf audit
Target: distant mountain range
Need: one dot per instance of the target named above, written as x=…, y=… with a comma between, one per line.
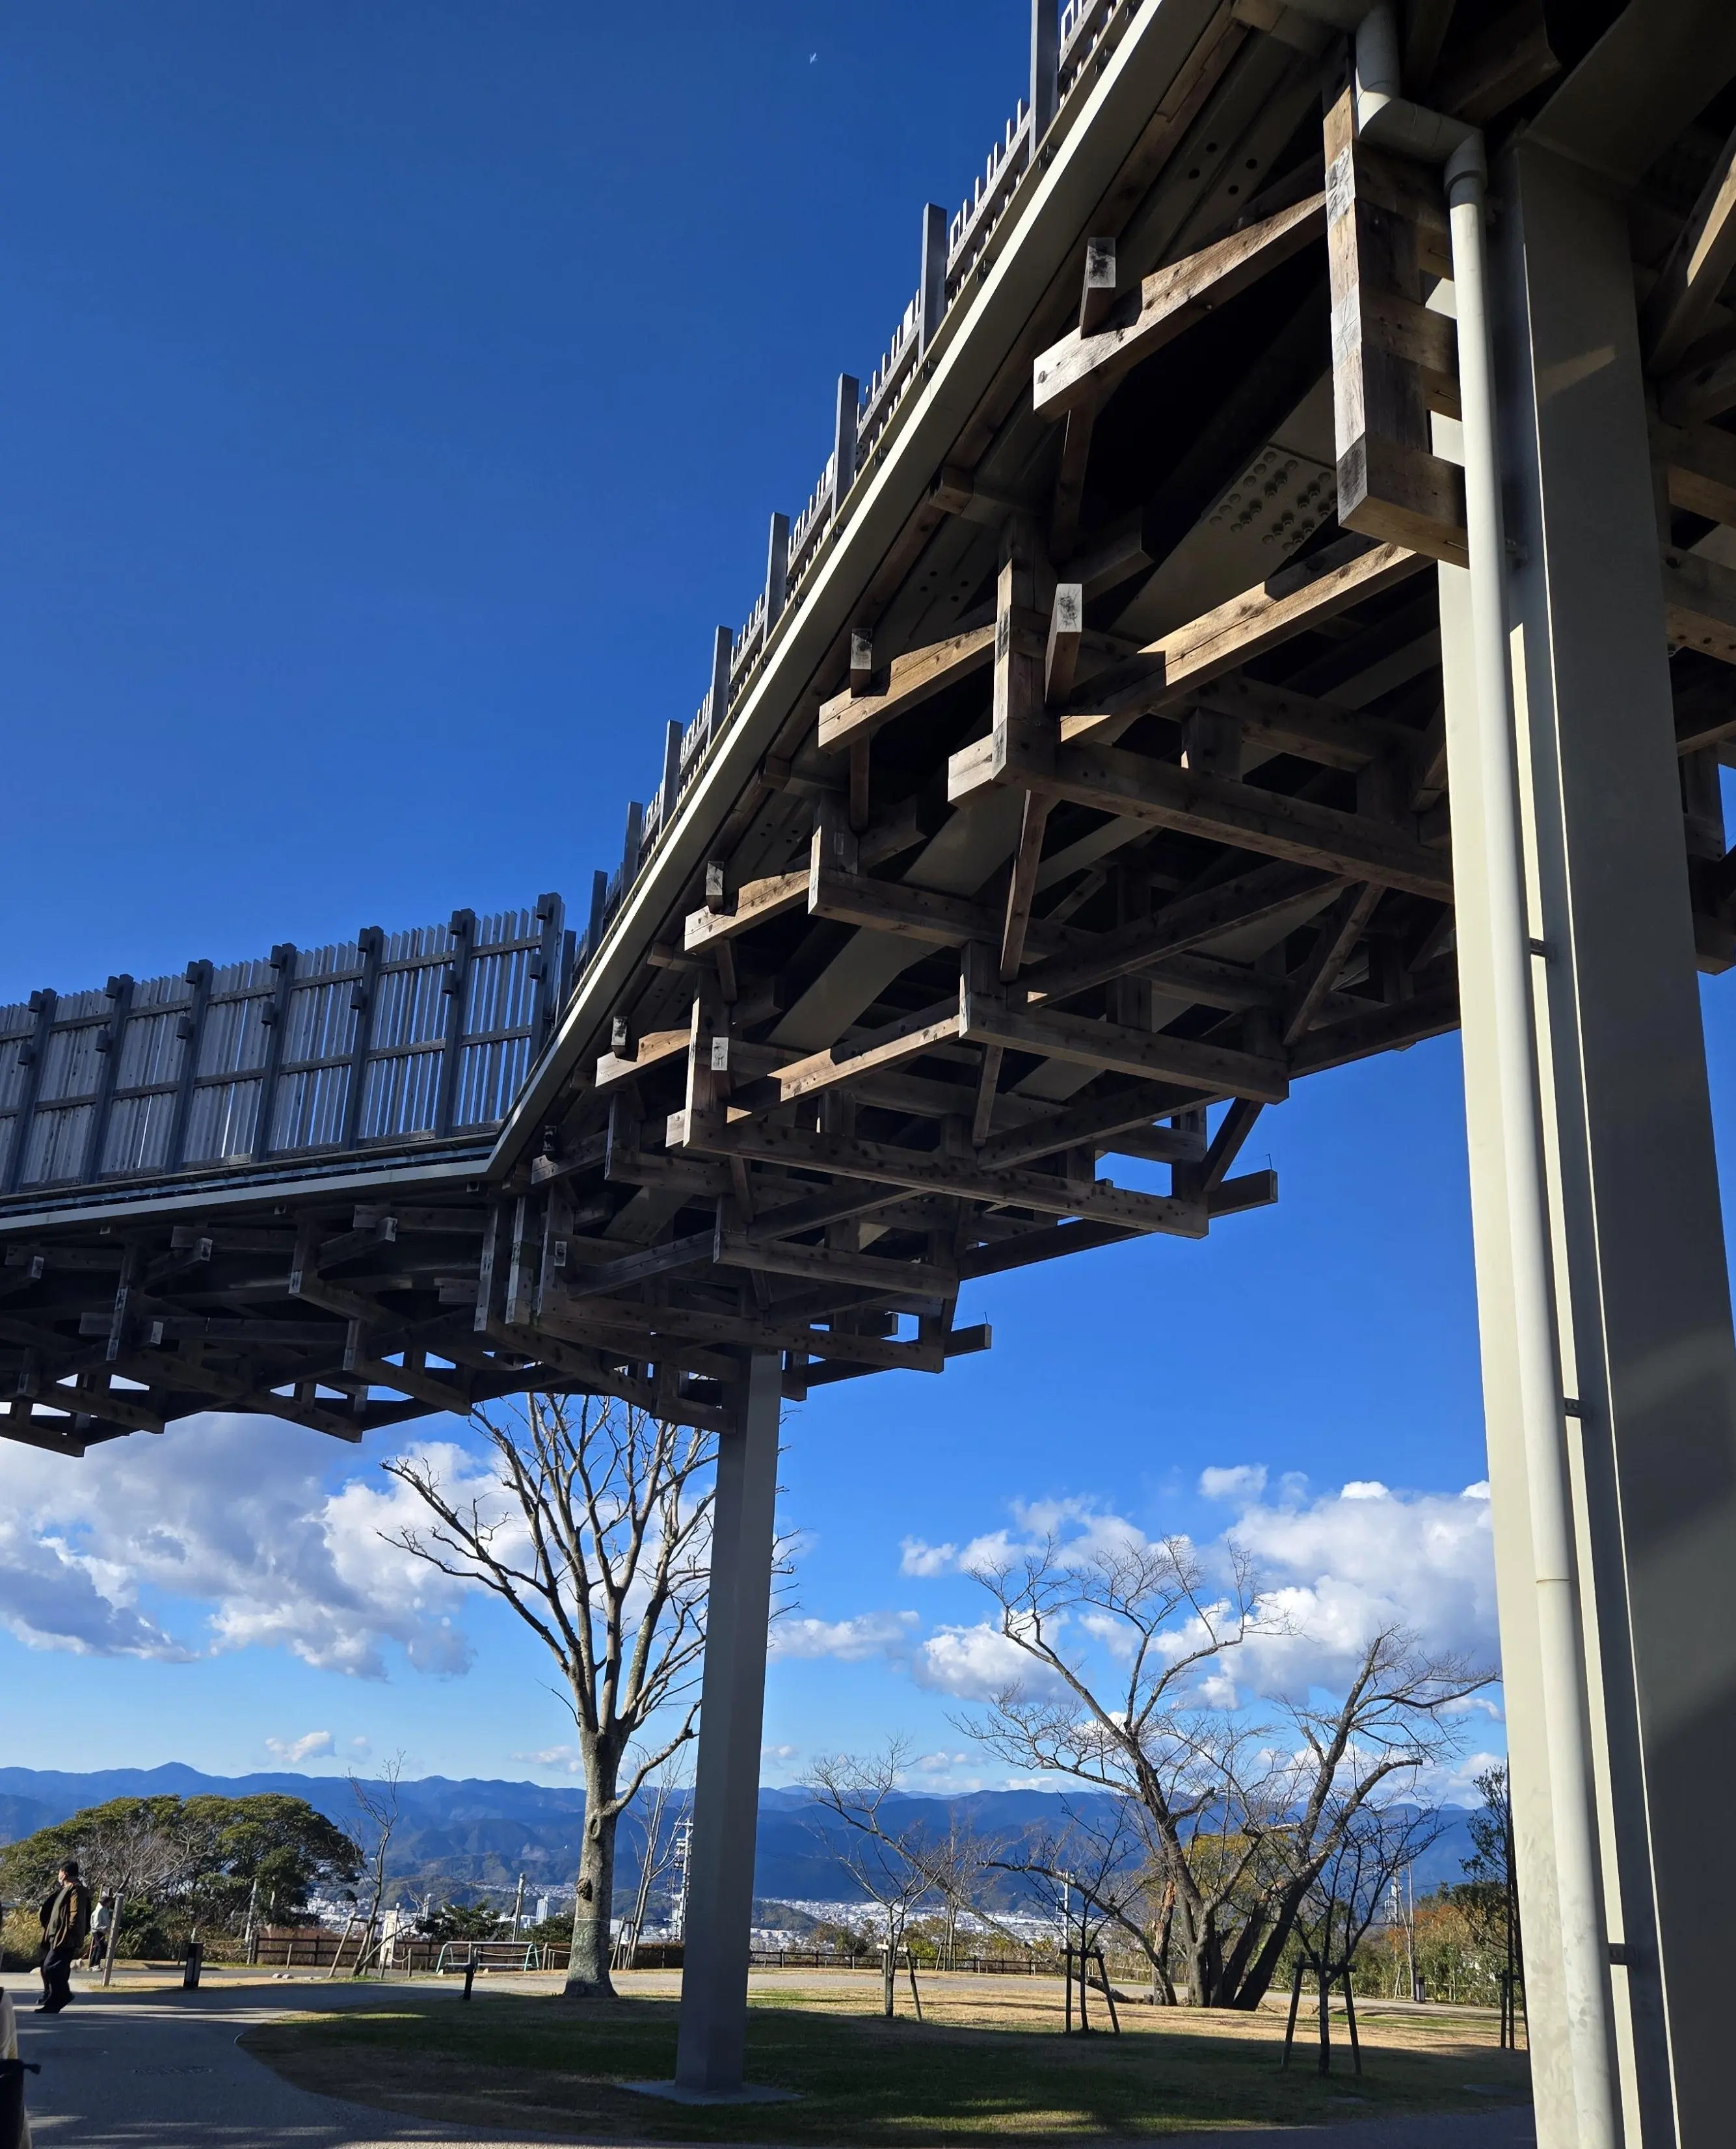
x=455, y=1836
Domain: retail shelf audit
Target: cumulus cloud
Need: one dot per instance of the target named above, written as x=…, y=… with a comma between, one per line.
x=922, y=1558
x=869, y=1635
x=1242, y=1481
x=973, y=1663
x=1332, y=1571
x=227, y=1530
x=303, y=1748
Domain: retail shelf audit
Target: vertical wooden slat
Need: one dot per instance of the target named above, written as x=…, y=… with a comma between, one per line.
x=371, y=942
x=463, y=930
x=120, y=990
x=282, y=961
x=42, y=1005
x=190, y=1026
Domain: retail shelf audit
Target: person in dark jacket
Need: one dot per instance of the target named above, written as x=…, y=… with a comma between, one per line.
x=66, y=1925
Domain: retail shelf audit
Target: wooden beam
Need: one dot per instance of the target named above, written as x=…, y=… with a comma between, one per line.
x=1022, y=882
x=1173, y=668
x=1699, y=604
x=1430, y=1013
x=1700, y=466
x=1696, y=270
x=1347, y=846
x=849, y=1157
x=885, y=906
x=831, y=1265
x=1341, y=927
x=596, y=1279
x=1048, y=1245
x=649, y=1051
x=843, y=1064
x=752, y=905
x=1082, y=368
x=1386, y=357
x=1111, y=1048
x=1279, y=720
x=1187, y=922
x=1253, y=1190
x=910, y=681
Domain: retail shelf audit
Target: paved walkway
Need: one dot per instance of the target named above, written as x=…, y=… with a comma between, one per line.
x=159, y=2068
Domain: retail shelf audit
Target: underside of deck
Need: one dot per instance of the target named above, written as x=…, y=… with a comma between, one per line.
x=1090, y=792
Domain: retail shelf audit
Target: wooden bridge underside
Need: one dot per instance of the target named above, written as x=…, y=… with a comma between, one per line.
x=1093, y=793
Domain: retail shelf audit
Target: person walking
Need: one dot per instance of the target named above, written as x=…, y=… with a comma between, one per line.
x=102, y=1928
x=66, y=1923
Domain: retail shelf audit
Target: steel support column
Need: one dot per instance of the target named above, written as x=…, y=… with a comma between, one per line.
x=1647, y=1424
x=726, y=1793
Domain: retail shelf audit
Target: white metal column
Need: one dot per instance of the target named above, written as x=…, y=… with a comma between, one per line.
x=1648, y=1368
x=726, y=1792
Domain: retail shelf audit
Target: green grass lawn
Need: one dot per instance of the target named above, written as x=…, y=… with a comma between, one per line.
x=551, y=2065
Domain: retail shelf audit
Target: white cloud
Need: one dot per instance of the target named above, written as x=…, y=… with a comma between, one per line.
x=303, y=1748
x=779, y=1753
x=554, y=1756
x=230, y=1520
x=920, y=1557
x=973, y=1663
x=1365, y=1488
x=869, y=1635
x=1241, y=1481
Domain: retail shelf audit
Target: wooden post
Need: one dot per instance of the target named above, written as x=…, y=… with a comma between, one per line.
x=462, y=927
x=1045, y=70
x=120, y=990
x=777, y=569
x=275, y=1017
x=846, y=420
x=931, y=284
x=1393, y=361
x=1296, y=2001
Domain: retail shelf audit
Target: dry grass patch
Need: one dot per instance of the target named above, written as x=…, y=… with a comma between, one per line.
x=987, y=2061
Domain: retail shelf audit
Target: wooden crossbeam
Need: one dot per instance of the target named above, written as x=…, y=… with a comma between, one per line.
x=834, y=1265
x=599, y=1279
x=1186, y=923
x=1699, y=604
x=1698, y=268
x=1082, y=367
x=752, y=905
x=1430, y=1013
x=1341, y=929
x=649, y=1051
x=1172, y=669
x=846, y=1064
x=1111, y=1048
x=850, y=1157
x=1279, y=720
x=910, y=681
x=1700, y=466
x=1347, y=846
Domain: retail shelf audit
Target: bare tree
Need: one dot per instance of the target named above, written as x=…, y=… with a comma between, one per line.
x=1346, y=1896
x=1093, y=1873
x=601, y=1542
x=886, y=1863
x=1242, y=1807
x=376, y=1821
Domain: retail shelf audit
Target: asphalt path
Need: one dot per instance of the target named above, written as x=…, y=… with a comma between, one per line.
x=161, y=2069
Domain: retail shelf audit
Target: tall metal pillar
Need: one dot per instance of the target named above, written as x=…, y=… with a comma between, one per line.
x=726, y=1792
x=1648, y=1364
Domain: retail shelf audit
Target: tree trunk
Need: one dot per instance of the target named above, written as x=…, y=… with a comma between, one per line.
x=587, y=1974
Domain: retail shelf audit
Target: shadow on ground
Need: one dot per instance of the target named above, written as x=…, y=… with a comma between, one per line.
x=553, y=2066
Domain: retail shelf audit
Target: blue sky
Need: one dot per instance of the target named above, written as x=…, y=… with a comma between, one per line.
x=391, y=401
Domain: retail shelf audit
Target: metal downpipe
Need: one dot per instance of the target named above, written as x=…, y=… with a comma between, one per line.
x=1560, y=1632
